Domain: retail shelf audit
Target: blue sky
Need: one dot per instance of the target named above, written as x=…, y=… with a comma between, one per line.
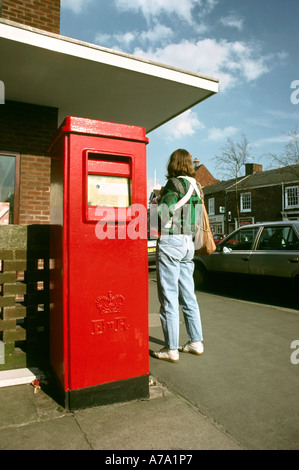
x=250, y=45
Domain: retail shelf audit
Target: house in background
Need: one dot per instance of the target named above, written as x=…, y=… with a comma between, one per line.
x=262, y=196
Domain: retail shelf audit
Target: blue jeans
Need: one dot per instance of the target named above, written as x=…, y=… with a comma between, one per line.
x=176, y=287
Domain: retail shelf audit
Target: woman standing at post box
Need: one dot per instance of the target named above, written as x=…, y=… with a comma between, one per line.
x=175, y=251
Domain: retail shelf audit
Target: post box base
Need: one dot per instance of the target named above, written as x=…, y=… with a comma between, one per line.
x=106, y=394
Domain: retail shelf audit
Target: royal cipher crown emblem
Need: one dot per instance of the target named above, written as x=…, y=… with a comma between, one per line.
x=110, y=303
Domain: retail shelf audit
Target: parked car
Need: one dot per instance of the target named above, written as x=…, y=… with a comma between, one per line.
x=218, y=237
x=267, y=249
x=151, y=250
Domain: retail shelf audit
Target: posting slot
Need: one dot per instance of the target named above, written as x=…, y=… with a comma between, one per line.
x=108, y=188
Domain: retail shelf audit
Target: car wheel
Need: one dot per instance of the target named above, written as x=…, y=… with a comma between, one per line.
x=200, y=276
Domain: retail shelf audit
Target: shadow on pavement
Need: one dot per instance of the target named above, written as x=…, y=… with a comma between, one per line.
x=272, y=291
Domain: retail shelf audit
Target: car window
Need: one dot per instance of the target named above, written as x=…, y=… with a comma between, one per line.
x=240, y=240
x=278, y=238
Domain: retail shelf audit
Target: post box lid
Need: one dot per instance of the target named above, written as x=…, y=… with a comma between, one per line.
x=102, y=128
x=76, y=125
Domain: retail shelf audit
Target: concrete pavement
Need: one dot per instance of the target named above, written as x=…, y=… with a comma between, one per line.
x=31, y=420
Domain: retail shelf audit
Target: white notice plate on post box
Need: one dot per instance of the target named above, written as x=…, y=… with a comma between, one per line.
x=109, y=191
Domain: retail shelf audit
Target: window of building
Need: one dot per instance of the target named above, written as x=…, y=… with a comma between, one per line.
x=9, y=188
x=292, y=197
x=245, y=199
x=211, y=206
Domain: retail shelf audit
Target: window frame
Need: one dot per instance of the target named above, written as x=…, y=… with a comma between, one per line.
x=16, y=204
x=211, y=206
x=242, y=209
x=285, y=235
x=234, y=243
x=291, y=206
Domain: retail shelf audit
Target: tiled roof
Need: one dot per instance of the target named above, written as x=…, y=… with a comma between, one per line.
x=221, y=186
x=204, y=177
x=288, y=174
x=264, y=178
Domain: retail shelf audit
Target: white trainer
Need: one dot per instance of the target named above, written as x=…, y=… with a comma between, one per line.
x=171, y=355
x=192, y=348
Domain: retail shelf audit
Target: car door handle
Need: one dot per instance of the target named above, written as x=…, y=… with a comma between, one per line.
x=246, y=258
x=295, y=259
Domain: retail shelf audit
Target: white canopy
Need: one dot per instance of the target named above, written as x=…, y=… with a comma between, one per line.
x=84, y=80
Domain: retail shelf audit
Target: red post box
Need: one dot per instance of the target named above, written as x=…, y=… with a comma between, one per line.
x=98, y=263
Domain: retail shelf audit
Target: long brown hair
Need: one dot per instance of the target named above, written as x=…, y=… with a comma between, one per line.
x=180, y=164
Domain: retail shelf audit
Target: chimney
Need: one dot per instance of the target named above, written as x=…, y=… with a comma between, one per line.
x=41, y=14
x=196, y=164
x=251, y=168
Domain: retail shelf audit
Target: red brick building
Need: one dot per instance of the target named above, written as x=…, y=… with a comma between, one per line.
x=26, y=130
x=261, y=196
x=42, y=14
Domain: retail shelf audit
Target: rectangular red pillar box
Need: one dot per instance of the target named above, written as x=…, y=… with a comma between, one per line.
x=98, y=263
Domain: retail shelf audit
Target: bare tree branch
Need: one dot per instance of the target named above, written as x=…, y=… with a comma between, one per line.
x=232, y=160
x=290, y=157
x=233, y=157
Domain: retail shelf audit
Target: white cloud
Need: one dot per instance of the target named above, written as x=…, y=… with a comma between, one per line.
x=116, y=41
x=159, y=33
x=228, y=61
x=76, y=6
x=126, y=38
x=216, y=133
x=102, y=38
x=233, y=21
x=156, y=7
x=279, y=139
x=184, y=125
x=153, y=8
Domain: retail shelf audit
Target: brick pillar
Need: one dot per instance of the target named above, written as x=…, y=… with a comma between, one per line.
x=41, y=14
x=24, y=299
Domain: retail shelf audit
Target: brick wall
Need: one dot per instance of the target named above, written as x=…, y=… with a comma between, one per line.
x=29, y=130
x=266, y=203
x=35, y=190
x=41, y=14
x=24, y=299
x=219, y=201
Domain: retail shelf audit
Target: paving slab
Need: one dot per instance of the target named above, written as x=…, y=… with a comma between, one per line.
x=31, y=420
